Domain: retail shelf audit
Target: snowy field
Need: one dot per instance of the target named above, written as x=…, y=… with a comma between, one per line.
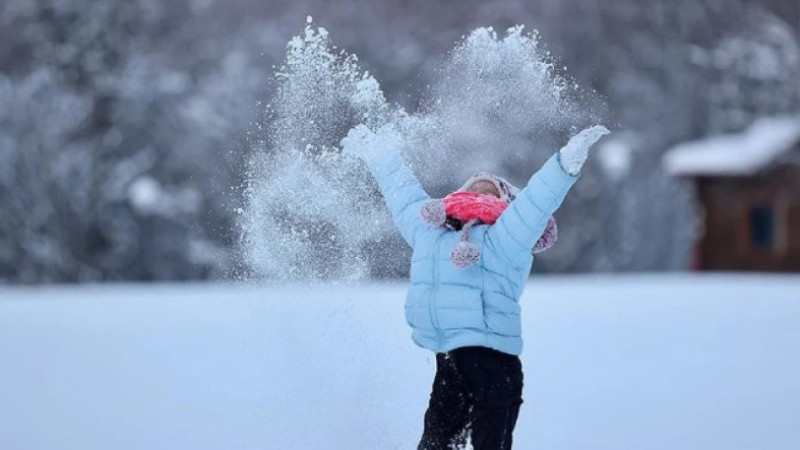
x=617, y=363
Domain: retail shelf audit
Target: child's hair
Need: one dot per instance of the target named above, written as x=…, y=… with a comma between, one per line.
x=453, y=223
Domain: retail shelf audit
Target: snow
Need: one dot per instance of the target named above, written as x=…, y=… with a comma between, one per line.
x=615, y=155
x=496, y=100
x=300, y=192
x=742, y=153
x=658, y=362
x=144, y=193
x=148, y=196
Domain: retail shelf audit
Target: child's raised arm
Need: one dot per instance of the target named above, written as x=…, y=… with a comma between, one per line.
x=402, y=192
x=525, y=219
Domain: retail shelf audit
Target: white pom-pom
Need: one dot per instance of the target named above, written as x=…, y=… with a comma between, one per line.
x=433, y=213
x=548, y=238
x=465, y=254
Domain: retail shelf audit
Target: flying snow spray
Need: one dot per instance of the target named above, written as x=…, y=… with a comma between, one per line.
x=313, y=214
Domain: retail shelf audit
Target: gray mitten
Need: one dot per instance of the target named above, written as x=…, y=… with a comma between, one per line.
x=574, y=154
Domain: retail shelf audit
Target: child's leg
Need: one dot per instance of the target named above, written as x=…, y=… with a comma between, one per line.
x=449, y=407
x=495, y=379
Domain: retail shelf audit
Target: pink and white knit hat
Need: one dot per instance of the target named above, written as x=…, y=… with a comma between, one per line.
x=508, y=191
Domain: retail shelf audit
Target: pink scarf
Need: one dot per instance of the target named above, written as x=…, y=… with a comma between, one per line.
x=470, y=208
x=466, y=206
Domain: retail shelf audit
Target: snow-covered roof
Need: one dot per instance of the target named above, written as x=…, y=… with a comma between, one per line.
x=743, y=153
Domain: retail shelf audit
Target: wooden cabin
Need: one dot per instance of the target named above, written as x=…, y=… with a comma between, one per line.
x=748, y=196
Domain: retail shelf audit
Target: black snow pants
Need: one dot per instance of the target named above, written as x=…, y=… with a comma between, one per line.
x=476, y=396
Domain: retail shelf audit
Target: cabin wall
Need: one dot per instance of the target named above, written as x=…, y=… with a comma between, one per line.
x=751, y=223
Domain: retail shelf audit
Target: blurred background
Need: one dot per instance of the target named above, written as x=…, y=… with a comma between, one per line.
x=128, y=131
x=124, y=126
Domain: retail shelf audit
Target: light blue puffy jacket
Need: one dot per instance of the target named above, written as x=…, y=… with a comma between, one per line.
x=448, y=307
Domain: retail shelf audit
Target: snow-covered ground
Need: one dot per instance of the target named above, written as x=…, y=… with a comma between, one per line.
x=677, y=362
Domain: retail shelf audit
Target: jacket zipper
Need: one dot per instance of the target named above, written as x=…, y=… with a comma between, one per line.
x=432, y=297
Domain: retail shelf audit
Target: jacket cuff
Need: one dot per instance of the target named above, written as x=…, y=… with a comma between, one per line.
x=554, y=175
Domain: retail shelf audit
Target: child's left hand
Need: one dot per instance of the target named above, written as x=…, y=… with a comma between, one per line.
x=370, y=145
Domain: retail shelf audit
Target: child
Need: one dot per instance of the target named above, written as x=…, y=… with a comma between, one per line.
x=470, y=263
